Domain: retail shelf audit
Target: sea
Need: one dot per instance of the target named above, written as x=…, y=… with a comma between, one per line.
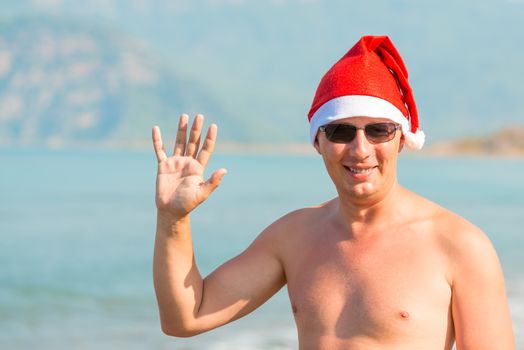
x=77, y=229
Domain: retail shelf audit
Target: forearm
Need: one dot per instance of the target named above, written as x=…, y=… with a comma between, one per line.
x=178, y=283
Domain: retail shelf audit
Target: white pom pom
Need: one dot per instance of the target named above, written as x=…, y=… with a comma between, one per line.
x=414, y=141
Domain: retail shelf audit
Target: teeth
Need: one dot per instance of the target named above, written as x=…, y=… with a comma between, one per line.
x=360, y=171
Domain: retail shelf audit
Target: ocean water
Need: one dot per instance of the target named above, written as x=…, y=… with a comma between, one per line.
x=77, y=231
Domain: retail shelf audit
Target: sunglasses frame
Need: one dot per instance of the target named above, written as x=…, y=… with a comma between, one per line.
x=370, y=140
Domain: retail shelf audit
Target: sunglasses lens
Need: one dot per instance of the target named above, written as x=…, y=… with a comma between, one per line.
x=375, y=132
x=380, y=132
x=340, y=133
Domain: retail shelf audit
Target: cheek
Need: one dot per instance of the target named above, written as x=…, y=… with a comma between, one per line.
x=332, y=158
x=331, y=166
x=388, y=163
x=332, y=152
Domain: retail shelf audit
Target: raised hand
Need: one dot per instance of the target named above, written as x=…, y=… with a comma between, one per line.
x=180, y=185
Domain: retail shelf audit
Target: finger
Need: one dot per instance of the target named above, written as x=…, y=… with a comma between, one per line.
x=158, y=144
x=180, y=143
x=212, y=183
x=194, y=136
x=208, y=146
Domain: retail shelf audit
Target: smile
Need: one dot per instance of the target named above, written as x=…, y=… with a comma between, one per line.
x=360, y=170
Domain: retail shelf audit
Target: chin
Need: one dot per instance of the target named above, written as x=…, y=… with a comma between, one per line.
x=363, y=190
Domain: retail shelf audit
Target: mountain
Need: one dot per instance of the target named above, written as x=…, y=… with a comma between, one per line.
x=64, y=82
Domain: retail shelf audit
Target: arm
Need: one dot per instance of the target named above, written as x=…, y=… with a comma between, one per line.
x=189, y=304
x=479, y=303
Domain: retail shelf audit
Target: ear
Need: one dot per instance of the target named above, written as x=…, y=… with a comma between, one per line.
x=316, y=144
x=401, y=143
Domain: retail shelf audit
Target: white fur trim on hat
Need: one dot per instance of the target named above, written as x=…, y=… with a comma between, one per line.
x=415, y=140
x=363, y=106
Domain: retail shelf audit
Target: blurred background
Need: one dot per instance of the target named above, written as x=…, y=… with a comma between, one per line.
x=82, y=83
x=104, y=71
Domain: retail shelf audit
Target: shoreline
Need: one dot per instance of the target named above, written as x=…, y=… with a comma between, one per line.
x=438, y=149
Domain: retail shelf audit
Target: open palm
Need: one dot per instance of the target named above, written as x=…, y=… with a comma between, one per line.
x=180, y=185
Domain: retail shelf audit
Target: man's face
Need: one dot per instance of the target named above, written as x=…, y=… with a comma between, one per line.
x=363, y=170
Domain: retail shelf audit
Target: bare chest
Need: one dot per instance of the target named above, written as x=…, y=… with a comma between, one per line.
x=386, y=292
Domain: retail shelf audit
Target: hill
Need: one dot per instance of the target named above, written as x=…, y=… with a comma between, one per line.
x=65, y=82
x=505, y=142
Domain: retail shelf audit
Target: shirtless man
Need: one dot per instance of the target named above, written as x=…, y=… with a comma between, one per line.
x=377, y=267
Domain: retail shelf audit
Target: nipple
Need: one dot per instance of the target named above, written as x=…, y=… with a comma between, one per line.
x=404, y=314
x=294, y=308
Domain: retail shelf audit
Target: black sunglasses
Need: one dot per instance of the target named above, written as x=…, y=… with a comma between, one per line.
x=375, y=132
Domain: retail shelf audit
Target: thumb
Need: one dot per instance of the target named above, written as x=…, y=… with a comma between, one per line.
x=214, y=180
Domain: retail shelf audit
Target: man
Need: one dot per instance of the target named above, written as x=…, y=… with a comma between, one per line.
x=377, y=267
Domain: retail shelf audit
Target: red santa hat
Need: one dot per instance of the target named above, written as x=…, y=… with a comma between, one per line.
x=370, y=80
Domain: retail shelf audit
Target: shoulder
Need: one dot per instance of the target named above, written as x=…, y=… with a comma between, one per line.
x=294, y=226
x=464, y=245
x=468, y=248
x=302, y=217
x=452, y=229
x=462, y=238
x=298, y=220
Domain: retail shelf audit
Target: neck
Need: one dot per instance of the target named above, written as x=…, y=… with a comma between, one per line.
x=361, y=216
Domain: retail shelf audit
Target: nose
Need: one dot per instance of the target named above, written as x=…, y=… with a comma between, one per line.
x=360, y=147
